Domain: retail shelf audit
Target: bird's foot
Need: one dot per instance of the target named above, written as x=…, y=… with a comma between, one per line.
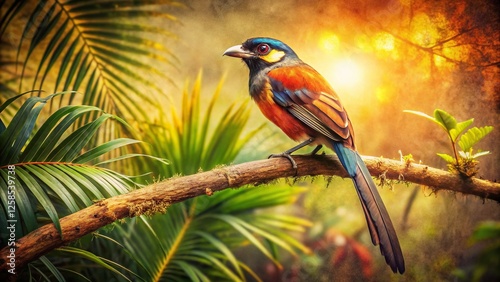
x=316, y=150
x=285, y=155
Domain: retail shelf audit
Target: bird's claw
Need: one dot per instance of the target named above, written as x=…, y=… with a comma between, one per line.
x=315, y=151
x=284, y=155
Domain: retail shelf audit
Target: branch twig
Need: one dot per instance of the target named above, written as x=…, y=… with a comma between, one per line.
x=158, y=196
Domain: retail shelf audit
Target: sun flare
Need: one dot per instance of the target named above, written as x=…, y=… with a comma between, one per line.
x=346, y=73
x=329, y=42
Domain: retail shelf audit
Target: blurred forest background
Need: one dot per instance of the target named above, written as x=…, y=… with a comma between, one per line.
x=161, y=101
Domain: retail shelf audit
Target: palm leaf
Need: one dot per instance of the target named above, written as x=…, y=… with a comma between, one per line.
x=52, y=269
x=219, y=245
x=51, y=172
x=50, y=176
x=188, y=135
x=99, y=261
x=99, y=46
x=195, y=239
x=14, y=137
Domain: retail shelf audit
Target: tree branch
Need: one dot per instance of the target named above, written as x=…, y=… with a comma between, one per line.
x=158, y=196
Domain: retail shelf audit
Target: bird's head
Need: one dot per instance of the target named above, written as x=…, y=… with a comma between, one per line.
x=262, y=52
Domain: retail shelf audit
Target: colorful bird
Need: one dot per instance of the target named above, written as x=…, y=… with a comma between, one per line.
x=297, y=99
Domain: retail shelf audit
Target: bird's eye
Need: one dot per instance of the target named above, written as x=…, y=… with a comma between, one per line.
x=263, y=49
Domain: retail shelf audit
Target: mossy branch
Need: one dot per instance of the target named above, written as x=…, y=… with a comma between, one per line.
x=158, y=196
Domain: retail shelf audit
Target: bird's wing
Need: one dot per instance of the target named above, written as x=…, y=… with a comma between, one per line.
x=309, y=97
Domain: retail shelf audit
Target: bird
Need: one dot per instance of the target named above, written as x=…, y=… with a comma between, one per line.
x=301, y=102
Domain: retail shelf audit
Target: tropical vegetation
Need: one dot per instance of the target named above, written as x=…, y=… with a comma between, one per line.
x=106, y=130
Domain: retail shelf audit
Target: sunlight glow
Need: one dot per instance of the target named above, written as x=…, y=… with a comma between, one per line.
x=364, y=42
x=382, y=94
x=347, y=74
x=329, y=41
x=384, y=41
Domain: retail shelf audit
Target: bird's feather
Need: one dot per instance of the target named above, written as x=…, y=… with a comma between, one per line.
x=379, y=222
x=309, y=97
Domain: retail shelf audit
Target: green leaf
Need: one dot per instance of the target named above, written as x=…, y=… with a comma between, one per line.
x=52, y=130
x=48, y=22
x=67, y=183
x=269, y=236
x=66, y=61
x=56, y=188
x=23, y=135
x=486, y=231
x=103, y=149
x=434, y=119
x=192, y=272
x=472, y=136
x=77, y=60
x=79, y=176
x=36, y=189
x=449, y=159
x=17, y=133
x=9, y=101
x=240, y=226
x=218, y=264
x=61, y=45
x=193, y=134
x=57, y=274
x=224, y=250
x=43, y=177
x=24, y=205
x=97, y=260
x=8, y=14
x=128, y=156
x=54, y=40
x=70, y=147
x=9, y=135
x=460, y=127
x=447, y=121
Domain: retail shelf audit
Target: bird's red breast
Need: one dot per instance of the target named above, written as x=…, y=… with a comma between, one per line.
x=281, y=117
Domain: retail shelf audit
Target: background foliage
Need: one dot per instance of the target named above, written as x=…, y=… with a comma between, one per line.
x=63, y=164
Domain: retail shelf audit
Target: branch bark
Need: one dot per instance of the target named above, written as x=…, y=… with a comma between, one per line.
x=158, y=196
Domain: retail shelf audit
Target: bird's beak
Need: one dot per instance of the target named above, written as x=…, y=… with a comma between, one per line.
x=239, y=52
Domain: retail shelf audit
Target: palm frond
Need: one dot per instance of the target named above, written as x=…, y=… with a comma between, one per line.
x=195, y=239
x=192, y=140
x=99, y=47
x=199, y=237
x=49, y=168
x=97, y=261
x=7, y=86
x=51, y=175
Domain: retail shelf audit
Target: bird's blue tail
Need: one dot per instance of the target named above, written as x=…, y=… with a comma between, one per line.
x=379, y=223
